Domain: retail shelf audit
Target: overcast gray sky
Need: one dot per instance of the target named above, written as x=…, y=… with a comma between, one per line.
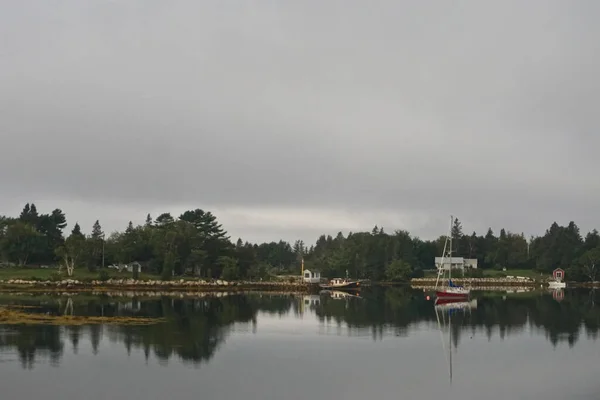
x=291, y=119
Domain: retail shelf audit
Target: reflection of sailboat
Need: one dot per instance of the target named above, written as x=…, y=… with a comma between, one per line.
x=449, y=307
x=451, y=291
x=450, y=304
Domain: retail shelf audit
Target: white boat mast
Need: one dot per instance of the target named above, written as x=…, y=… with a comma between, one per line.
x=450, y=251
x=447, y=244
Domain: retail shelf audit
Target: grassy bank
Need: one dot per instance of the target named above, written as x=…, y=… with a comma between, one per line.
x=44, y=280
x=44, y=274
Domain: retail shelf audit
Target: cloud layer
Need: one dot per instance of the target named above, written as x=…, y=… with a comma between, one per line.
x=301, y=118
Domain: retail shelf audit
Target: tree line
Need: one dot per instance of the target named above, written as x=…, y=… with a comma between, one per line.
x=195, y=243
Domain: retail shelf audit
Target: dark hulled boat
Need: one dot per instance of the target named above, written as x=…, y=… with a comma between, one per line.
x=340, y=284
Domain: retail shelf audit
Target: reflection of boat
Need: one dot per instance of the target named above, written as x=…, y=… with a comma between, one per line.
x=341, y=284
x=336, y=294
x=449, y=306
x=451, y=291
x=452, y=304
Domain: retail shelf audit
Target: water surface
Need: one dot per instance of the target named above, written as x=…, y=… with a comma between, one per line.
x=387, y=344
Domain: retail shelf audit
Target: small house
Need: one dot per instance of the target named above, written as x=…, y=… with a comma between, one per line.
x=312, y=276
x=455, y=263
x=558, y=274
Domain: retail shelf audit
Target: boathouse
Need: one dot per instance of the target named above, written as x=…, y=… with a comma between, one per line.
x=312, y=276
x=558, y=274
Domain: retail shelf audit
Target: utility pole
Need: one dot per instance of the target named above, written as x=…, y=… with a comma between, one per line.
x=103, y=251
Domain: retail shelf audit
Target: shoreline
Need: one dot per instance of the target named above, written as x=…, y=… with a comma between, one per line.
x=181, y=286
x=73, y=285
x=486, y=283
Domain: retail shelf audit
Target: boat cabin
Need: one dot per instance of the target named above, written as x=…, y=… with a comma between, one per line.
x=311, y=276
x=558, y=274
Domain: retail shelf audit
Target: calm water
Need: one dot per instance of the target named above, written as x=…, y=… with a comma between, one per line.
x=387, y=344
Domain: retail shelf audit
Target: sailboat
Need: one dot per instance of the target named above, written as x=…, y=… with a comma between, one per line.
x=451, y=291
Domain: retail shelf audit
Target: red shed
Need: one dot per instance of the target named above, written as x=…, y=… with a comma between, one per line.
x=558, y=274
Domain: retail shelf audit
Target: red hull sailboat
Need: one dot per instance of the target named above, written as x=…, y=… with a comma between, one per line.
x=448, y=295
x=451, y=291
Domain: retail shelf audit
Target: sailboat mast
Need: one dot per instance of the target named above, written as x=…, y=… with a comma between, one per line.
x=450, y=251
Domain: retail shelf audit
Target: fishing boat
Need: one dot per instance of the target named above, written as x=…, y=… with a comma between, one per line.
x=340, y=284
x=451, y=290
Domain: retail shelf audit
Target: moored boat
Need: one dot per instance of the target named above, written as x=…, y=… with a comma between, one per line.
x=451, y=291
x=457, y=292
x=340, y=284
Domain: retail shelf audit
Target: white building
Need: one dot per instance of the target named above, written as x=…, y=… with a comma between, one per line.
x=455, y=263
x=312, y=276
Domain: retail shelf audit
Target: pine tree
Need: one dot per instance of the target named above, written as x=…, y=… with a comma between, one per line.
x=96, y=246
x=456, y=230
x=77, y=231
x=97, y=230
x=25, y=213
x=164, y=219
x=33, y=211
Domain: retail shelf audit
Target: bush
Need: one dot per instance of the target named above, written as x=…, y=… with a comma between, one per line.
x=103, y=276
x=398, y=271
x=474, y=273
x=418, y=273
x=55, y=277
x=230, y=272
x=229, y=268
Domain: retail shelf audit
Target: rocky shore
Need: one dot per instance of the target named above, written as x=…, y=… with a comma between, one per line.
x=518, y=284
x=482, y=282
x=152, y=285
x=496, y=283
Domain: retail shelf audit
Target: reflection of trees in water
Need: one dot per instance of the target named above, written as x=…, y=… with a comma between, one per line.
x=194, y=329
x=393, y=311
x=33, y=341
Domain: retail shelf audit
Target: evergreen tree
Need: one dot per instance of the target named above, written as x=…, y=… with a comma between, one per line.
x=77, y=230
x=25, y=213
x=97, y=230
x=96, y=243
x=164, y=219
